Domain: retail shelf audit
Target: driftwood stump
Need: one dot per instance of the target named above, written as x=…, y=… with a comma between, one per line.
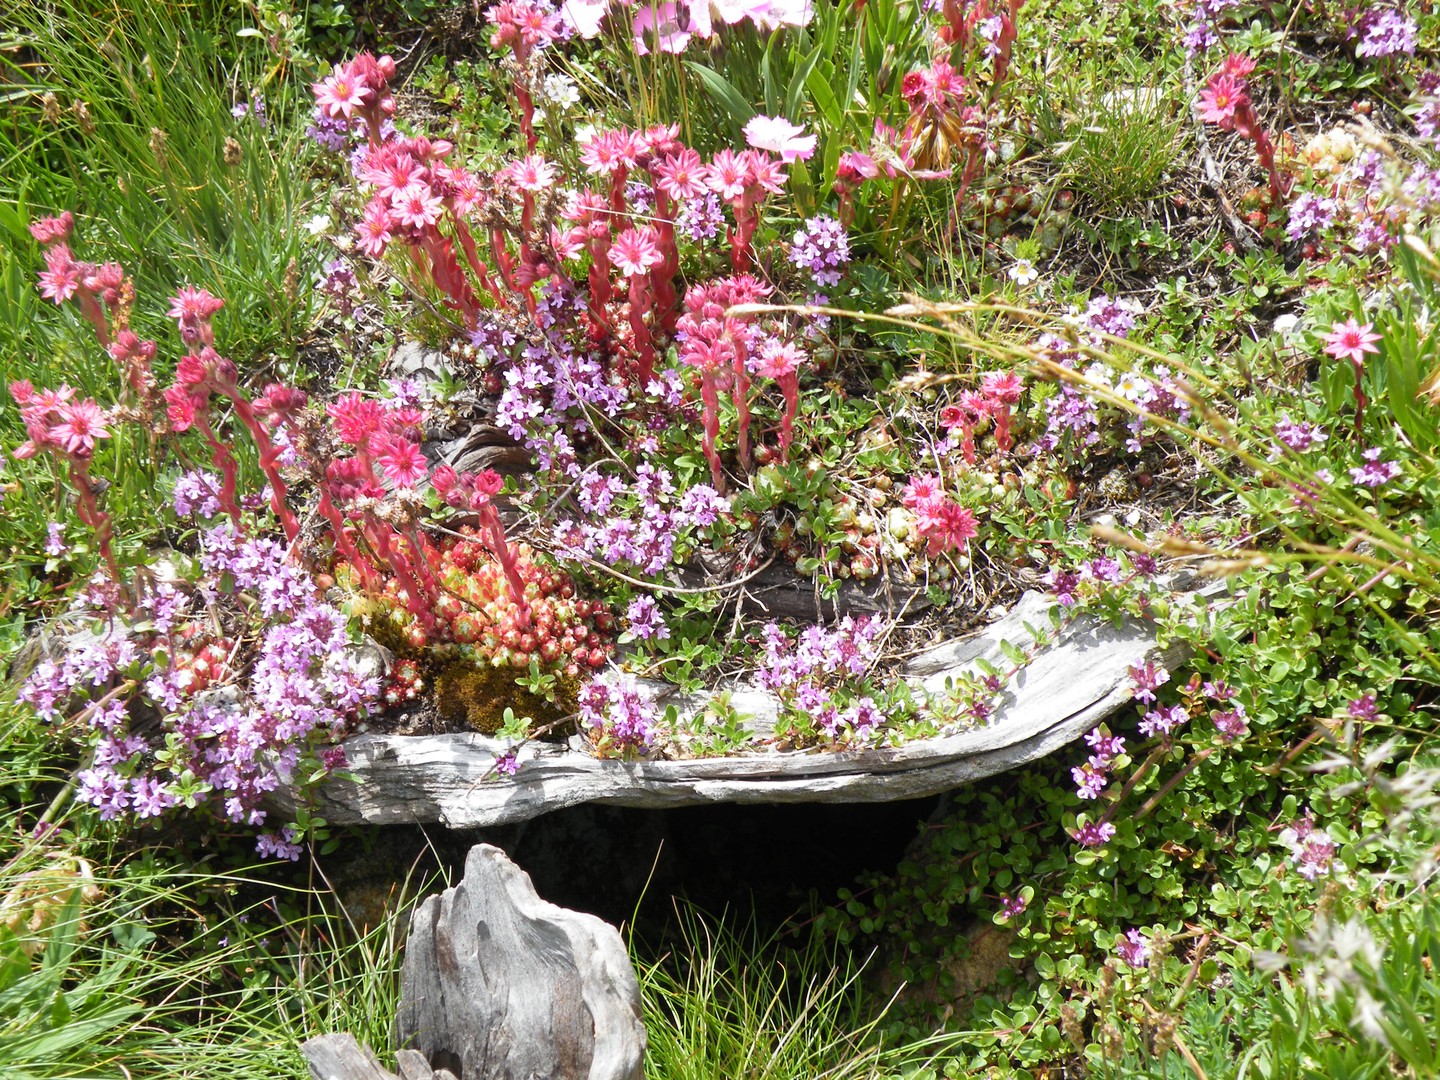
x=501, y=985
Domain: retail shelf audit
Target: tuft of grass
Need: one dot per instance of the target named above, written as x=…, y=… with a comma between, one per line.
x=121, y=113
x=1115, y=131
x=729, y=1002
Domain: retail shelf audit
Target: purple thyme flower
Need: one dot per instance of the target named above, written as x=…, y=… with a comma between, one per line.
x=1375, y=473
x=1363, y=708
x=702, y=218
x=646, y=622
x=196, y=492
x=507, y=764
x=281, y=846
x=1113, y=317
x=55, y=545
x=1311, y=849
x=1103, y=569
x=1089, y=780
x=822, y=248
x=1107, y=747
x=1010, y=906
x=329, y=133
x=1146, y=679
x=613, y=706
x=1372, y=234
x=1385, y=32
x=1063, y=584
x=1299, y=435
x=1134, y=949
x=1163, y=720
x=1231, y=723
x=1094, y=834
x=1219, y=690
x=1309, y=214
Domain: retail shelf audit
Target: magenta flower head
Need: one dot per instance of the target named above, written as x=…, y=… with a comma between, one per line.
x=49, y=230
x=357, y=418
x=61, y=278
x=193, y=309
x=1094, y=834
x=1351, y=340
x=401, y=461
x=636, y=250
x=1222, y=95
x=681, y=175
x=80, y=424
x=340, y=95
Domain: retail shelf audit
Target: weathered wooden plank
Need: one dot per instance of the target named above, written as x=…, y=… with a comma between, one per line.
x=510, y=987
x=1063, y=691
x=342, y=1057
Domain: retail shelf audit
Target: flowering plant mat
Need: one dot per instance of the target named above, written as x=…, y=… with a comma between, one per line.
x=1065, y=689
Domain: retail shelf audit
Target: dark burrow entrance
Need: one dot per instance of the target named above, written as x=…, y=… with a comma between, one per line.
x=627, y=865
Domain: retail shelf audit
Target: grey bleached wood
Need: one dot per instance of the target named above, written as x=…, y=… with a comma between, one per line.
x=343, y=1057
x=509, y=987
x=1066, y=689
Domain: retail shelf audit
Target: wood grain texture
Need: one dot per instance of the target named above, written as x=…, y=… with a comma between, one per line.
x=343, y=1057
x=509, y=987
x=1065, y=690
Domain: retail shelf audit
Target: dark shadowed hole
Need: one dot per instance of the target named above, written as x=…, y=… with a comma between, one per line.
x=766, y=862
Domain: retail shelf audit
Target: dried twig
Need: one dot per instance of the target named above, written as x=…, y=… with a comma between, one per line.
x=1214, y=178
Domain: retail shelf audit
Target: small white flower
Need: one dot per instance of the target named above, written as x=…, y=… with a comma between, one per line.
x=1132, y=386
x=559, y=89
x=1023, y=272
x=317, y=225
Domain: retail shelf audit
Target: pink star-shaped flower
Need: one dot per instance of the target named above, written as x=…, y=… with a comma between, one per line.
x=1351, y=341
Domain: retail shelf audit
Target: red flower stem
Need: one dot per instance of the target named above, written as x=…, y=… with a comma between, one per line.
x=422, y=562
x=223, y=460
x=416, y=601
x=710, y=399
x=369, y=577
x=790, y=388
x=746, y=222
x=527, y=114
x=662, y=277
x=500, y=547
x=617, y=194
x=269, y=457
x=445, y=271
x=1002, y=429
x=91, y=309
x=477, y=264
x=503, y=259
x=92, y=516
x=644, y=347
x=740, y=394
x=1360, y=399
x=599, y=281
